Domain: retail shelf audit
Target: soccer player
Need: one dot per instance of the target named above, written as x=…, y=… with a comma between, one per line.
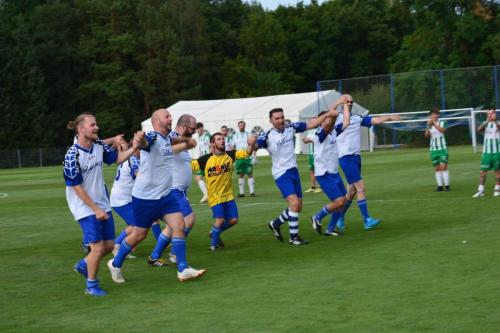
x=218, y=169
x=186, y=127
x=309, y=140
x=326, y=168
x=87, y=195
x=349, y=150
x=244, y=166
x=439, y=152
x=279, y=142
x=152, y=197
x=202, y=139
x=228, y=138
x=490, y=160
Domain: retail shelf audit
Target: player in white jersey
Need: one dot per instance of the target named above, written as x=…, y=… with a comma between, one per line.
x=309, y=140
x=490, y=160
x=438, y=149
x=186, y=127
x=153, y=199
x=244, y=166
x=202, y=139
x=228, y=137
x=279, y=142
x=326, y=168
x=87, y=196
x=349, y=150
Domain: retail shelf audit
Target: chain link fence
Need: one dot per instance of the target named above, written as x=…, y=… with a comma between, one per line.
x=34, y=157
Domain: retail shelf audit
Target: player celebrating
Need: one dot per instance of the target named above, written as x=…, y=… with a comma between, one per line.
x=153, y=199
x=326, y=169
x=243, y=166
x=349, y=149
x=490, y=160
x=439, y=152
x=309, y=140
x=87, y=195
x=218, y=169
x=202, y=139
x=279, y=141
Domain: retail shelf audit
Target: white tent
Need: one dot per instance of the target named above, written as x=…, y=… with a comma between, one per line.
x=255, y=111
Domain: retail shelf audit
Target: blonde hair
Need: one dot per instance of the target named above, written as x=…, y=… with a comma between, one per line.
x=74, y=124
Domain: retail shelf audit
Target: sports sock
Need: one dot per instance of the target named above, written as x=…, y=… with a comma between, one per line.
x=82, y=263
x=282, y=218
x=121, y=237
x=179, y=250
x=156, y=229
x=226, y=225
x=480, y=188
x=215, y=235
x=322, y=213
x=241, y=185
x=92, y=283
x=293, y=223
x=161, y=245
x=251, y=185
x=187, y=231
x=124, y=250
x=346, y=207
x=363, y=208
x=446, y=177
x=497, y=188
x=439, y=179
x=203, y=186
x=333, y=220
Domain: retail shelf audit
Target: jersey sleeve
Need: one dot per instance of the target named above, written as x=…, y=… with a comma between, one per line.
x=262, y=140
x=367, y=121
x=134, y=166
x=150, y=139
x=195, y=166
x=299, y=126
x=109, y=155
x=320, y=132
x=72, y=174
x=200, y=163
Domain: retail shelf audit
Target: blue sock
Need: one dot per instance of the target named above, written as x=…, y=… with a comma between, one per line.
x=282, y=218
x=293, y=224
x=322, y=213
x=83, y=264
x=156, y=229
x=346, y=207
x=161, y=245
x=121, y=237
x=333, y=220
x=92, y=283
x=124, y=250
x=187, y=231
x=363, y=208
x=215, y=235
x=179, y=250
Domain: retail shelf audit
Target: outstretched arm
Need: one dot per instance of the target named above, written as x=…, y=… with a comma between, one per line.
x=382, y=119
x=138, y=140
x=186, y=144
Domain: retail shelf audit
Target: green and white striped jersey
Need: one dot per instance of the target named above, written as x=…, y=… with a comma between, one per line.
x=202, y=144
x=438, y=141
x=240, y=139
x=310, y=146
x=491, y=143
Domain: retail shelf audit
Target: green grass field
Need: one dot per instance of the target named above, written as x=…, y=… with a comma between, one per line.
x=432, y=265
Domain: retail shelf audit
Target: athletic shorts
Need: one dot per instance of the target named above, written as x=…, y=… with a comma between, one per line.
x=226, y=210
x=351, y=165
x=490, y=161
x=183, y=201
x=289, y=183
x=244, y=166
x=332, y=185
x=126, y=212
x=148, y=211
x=95, y=231
x=310, y=162
x=439, y=157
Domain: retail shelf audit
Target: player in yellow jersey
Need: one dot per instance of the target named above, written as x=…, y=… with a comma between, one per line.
x=218, y=170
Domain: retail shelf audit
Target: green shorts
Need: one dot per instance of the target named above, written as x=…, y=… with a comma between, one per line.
x=490, y=161
x=244, y=166
x=310, y=162
x=439, y=157
x=199, y=173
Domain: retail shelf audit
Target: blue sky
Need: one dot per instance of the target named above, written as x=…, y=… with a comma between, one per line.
x=273, y=4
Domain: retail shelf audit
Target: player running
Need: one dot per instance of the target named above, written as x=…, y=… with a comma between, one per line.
x=244, y=166
x=439, y=151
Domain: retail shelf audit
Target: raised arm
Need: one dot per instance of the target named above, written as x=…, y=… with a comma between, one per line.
x=138, y=140
x=382, y=119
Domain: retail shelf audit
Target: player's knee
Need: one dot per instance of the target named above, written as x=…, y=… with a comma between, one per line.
x=233, y=221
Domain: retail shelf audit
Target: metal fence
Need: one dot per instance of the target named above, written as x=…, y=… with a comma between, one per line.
x=34, y=157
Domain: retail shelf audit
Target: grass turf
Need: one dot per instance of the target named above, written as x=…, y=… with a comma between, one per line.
x=414, y=273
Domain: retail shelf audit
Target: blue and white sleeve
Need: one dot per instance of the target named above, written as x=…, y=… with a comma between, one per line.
x=320, y=132
x=299, y=126
x=150, y=139
x=262, y=140
x=367, y=121
x=72, y=174
x=109, y=155
x=134, y=166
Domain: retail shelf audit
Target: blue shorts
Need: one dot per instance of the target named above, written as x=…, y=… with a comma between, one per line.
x=332, y=185
x=148, y=211
x=95, y=231
x=183, y=201
x=126, y=212
x=225, y=210
x=289, y=183
x=351, y=165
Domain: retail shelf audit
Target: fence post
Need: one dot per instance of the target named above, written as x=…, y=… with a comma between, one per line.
x=473, y=130
x=317, y=93
x=40, y=156
x=495, y=85
x=393, y=107
x=19, y=158
x=443, y=97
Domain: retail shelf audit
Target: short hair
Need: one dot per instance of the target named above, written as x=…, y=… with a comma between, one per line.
x=199, y=125
x=434, y=110
x=322, y=113
x=241, y=121
x=223, y=127
x=212, y=138
x=184, y=120
x=74, y=124
x=273, y=111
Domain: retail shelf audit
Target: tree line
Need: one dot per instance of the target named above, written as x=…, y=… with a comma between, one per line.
x=122, y=59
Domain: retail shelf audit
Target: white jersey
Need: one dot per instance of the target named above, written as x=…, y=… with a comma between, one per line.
x=84, y=167
x=438, y=142
x=491, y=143
x=154, y=179
x=202, y=144
x=325, y=152
x=182, y=166
x=240, y=140
x=281, y=147
x=310, y=146
x=229, y=142
x=349, y=141
x=121, y=192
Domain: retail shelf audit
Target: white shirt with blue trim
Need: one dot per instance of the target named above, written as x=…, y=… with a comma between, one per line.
x=154, y=179
x=349, y=141
x=121, y=192
x=325, y=152
x=281, y=147
x=84, y=167
x=182, y=166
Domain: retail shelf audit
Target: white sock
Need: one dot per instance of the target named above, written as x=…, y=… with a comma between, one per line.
x=439, y=179
x=251, y=185
x=480, y=188
x=241, y=184
x=497, y=188
x=203, y=186
x=446, y=177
